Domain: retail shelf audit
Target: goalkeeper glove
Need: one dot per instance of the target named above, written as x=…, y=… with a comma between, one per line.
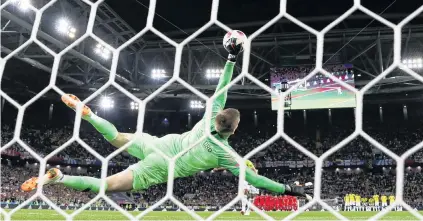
x=297, y=190
x=233, y=48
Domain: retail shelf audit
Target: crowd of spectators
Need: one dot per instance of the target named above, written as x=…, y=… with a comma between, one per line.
x=44, y=140
x=218, y=188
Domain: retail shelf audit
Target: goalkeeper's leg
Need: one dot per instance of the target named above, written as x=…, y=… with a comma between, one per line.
x=151, y=171
x=119, y=182
x=140, y=148
x=107, y=129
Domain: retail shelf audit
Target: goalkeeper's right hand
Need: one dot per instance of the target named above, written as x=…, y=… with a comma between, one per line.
x=233, y=48
x=298, y=190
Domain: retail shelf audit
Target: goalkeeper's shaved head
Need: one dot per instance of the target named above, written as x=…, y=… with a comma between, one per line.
x=227, y=121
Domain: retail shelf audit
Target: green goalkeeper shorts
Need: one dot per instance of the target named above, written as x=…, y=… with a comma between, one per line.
x=150, y=171
x=153, y=167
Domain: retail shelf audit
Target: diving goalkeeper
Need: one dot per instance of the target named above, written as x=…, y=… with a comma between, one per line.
x=152, y=168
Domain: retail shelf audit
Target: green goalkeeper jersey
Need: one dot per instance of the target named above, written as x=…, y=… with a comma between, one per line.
x=207, y=154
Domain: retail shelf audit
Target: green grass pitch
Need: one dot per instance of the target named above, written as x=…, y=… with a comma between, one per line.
x=114, y=215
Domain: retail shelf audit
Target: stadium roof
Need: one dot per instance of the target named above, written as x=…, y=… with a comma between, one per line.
x=359, y=40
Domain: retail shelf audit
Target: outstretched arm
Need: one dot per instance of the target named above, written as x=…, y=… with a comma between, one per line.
x=233, y=47
x=226, y=161
x=220, y=101
x=257, y=180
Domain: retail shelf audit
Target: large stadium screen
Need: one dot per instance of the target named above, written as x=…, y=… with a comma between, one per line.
x=319, y=92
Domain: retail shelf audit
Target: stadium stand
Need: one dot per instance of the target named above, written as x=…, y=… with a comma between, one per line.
x=356, y=168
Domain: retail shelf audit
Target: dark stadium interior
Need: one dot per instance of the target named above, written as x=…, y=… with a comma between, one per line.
x=392, y=108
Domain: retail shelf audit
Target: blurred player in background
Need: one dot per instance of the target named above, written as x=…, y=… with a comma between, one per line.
x=371, y=204
x=346, y=202
x=364, y=203
x=352, y=202
x=376, y=200
x=293, y=202
x=281, y=204
x=267, y=202
x=357, y=202
x=259, y=202
x=249, y=192
x=384, y=200
x=392, y=200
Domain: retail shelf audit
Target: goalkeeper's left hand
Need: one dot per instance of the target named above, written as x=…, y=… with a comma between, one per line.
x=233, y=48
x=296, y=189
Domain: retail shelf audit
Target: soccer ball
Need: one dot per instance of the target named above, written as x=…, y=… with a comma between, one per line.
x=239, y=35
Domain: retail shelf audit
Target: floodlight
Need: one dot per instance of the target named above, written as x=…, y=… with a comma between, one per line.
x=62, y=25
x=71, y=35
x=105, y=55
x=195, y=104
x=106, y=103
x=158, y=73
x=22, y=5
x=413, y=63
x=105, y=51
x=97, y=50
x=213, y=73
x=102, y=51
x=134, y=105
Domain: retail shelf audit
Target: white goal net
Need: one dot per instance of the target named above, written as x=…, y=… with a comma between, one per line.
x=397, y=28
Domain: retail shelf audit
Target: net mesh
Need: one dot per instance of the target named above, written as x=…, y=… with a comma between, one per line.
x=175, y=78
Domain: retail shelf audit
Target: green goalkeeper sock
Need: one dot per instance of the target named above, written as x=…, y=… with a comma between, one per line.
x=103, y=126
x=82, y=183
